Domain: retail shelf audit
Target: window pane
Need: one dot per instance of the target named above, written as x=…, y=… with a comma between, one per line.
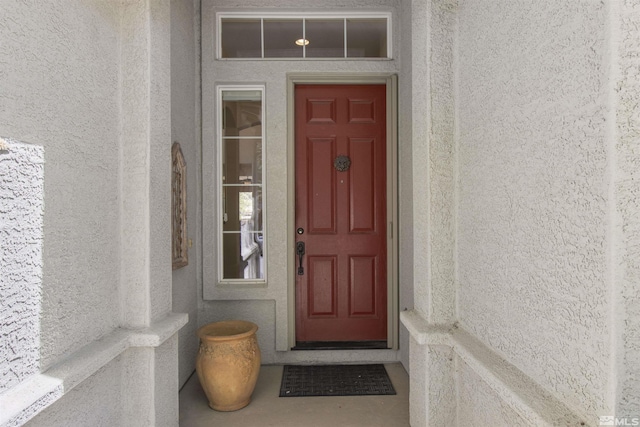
x=326, y=38
x=367, y=38
x=242, y=161
x=241, y=38
x=243, y=256
x=280, y=38
x=241, y=113
x=242, y=208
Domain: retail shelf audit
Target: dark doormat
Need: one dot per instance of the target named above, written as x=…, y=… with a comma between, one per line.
x=335, y=380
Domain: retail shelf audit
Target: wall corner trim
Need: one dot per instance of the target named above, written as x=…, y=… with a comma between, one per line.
x=24, y=401
x=426, y=333
x=533, y=403
x=159, y=331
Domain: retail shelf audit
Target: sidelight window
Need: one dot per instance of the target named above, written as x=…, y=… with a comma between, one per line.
x=314, y=36
x=241, y=166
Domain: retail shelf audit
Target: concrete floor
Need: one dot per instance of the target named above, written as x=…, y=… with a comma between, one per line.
x=268, y=409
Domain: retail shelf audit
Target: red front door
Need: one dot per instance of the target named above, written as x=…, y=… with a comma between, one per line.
x=341, y=290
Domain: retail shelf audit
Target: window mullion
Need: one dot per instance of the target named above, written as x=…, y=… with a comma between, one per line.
x=304, y=37
x=262, y=37
x=345, y=38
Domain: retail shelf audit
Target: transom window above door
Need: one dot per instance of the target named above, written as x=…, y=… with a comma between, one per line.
x=319, y=36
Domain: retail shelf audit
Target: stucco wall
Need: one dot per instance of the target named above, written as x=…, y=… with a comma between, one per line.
x=427, y=156
x=479, y=404
x=405, y=187
x=61, y=93
x=627, y=205
x=185, y=124
x=273, y=73
x=441, y=114
x=86, y=85
x=95, y=402
x=442, y=388
x=21, y=240
x=532, y=215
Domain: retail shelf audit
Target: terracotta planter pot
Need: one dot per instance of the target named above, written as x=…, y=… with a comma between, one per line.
x=228, y=363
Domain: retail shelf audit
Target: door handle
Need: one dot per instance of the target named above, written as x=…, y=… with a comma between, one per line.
x=300, y=253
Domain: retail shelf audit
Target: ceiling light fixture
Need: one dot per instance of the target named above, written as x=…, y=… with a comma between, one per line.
x=302, y=42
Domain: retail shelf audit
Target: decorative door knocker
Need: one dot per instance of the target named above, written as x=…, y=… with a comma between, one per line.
x=342, y=163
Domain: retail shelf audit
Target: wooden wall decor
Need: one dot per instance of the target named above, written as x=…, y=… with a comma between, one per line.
x=179, y=238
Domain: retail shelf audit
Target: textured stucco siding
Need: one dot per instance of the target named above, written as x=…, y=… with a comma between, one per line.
x=60, y=93
x=442, y=387
x=166, y=384
x=134, y=155
x=418, y=158
x=96, y=402
x=441, y=162
x=532, y=213
x=405, y=183
x=431, y=158
x=145, y=131
x=21, y=240
x=627, y=194
x=419, y=384
x=479, y=405
x=87, y=83
x=158, y=144
x=184, y=125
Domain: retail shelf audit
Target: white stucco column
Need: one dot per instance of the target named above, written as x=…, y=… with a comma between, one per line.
x=146, y=274
x=145, y=162
x=625, y=136
x=418, y=384
x=432, y=390
x=421, y=109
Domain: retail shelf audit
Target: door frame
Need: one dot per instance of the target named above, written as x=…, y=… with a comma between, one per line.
x=390, y=81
